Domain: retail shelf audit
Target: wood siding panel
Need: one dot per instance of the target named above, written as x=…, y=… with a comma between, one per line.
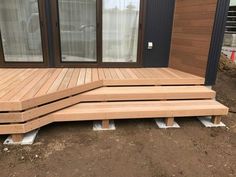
x=191, y=35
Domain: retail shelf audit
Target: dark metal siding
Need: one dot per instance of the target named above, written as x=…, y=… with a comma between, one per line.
x=216, y=41
x=158, y=29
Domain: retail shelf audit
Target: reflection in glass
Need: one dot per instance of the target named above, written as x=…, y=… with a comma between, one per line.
x=78, y=30
x=20, y=30
x=120, y=30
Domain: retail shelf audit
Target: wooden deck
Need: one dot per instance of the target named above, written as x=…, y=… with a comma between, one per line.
x=32, y=98
x=22, y=89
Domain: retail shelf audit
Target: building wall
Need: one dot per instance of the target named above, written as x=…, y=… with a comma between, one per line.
x=158, y=29
x=191, y=35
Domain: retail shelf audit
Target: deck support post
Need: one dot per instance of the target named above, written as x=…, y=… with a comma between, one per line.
x=102, y=125
x=216, y=120
x=211, y=121
x=169, y=121
x=17, y=137
x=105, y=124
x=22, y=139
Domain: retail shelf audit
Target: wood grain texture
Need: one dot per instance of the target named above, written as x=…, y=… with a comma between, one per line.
x=169, y=121
x=113, y=94
x=22, y=89
x=115, y=110
x=191, y=35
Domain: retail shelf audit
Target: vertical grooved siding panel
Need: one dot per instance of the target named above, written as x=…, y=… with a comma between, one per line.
x=158, y=28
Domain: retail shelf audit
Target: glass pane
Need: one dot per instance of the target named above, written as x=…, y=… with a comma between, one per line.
x=120, y=30
x=78, y=30
x=20, y=30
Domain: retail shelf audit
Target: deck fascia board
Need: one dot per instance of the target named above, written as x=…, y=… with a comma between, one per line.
x=166, y=94
x=61, y=116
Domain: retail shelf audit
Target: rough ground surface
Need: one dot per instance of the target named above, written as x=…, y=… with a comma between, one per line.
x=136, y=149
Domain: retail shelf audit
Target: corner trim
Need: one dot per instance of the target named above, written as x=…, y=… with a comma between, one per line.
x=216, y=41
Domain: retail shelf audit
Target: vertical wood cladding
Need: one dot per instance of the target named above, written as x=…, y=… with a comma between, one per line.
x=191, y=35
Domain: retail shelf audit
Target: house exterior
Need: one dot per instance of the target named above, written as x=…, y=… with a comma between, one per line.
x=77, y=60
x=186, y=35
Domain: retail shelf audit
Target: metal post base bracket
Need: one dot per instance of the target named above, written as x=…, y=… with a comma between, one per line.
x=161, y=124
x=206, y=121
x=28, y=139
x=97, y=126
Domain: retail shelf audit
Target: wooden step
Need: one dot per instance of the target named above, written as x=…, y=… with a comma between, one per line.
x=113, y=94
x=148, y=93
x=140, y=109
x=122, y=110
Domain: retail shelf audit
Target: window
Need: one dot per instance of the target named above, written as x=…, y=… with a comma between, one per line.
x=20, y=31
x=78, y=30
x=120, y=30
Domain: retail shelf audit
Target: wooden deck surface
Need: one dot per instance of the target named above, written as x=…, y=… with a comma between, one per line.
x=21, y=89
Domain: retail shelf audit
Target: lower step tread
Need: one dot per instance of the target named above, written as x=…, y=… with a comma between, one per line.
x=141, y=109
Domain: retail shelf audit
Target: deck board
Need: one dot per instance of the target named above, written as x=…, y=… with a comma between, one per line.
x=44, y=89
x=115, y=110
x=157, y=109
x=57, y=82
x=107, y=73
x=11, y=80
x=145, y=93
x=30, y=86
x=66, y=80
x=81, y=77
x=74, y=78
x=119, y=74
x=113, y=74
x=137, y=73
x=39, y=86
x=19, y=85
x=95, y=76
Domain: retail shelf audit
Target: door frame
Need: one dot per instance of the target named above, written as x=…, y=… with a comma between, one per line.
x=55, y=22
x=44, y=43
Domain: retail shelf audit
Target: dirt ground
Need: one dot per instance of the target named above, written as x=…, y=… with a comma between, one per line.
x=136, y=149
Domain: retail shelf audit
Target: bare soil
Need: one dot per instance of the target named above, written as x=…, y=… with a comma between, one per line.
x=136, y=149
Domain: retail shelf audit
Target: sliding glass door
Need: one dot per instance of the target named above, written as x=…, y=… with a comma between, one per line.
x=78, y=33
x=21, y=33
x=77, y=30
x=96, y=32
x=120, y=30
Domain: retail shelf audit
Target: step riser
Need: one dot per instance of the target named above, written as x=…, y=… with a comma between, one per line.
x=59, y=117
x=133, y=97
x=96, y=96
x=121, y=110
x=137, y=115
